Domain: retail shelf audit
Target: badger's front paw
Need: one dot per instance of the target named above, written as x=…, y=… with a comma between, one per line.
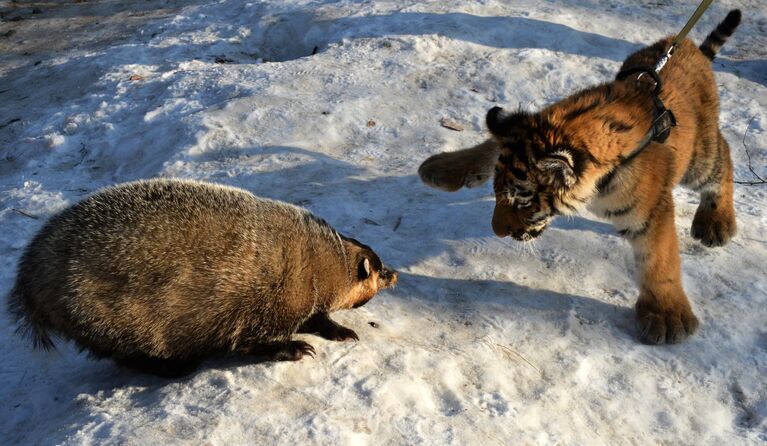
x=669, y=325
x=292, y=351
x=321, y=324
x=340, y=333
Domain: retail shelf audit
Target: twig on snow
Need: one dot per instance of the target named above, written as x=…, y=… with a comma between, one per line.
x=34, y=217
x=510, y=352
x=748, y=155
x=513, y=352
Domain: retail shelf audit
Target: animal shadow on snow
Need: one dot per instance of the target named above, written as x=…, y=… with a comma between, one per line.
x=404, y=221
x=508, y=300
x=298, y=33
x=73, y=387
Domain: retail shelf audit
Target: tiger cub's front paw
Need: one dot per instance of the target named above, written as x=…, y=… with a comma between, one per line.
x=446, y=171
x=470, y=167
x=665, y=325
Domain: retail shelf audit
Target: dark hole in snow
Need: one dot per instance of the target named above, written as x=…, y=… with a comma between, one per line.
x=290, y=36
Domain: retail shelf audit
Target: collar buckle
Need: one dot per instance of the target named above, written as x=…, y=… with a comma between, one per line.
x=663, y=123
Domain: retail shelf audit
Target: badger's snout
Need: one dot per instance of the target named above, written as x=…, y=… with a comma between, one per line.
x=388, y=278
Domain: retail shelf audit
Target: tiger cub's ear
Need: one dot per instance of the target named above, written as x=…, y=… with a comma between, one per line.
x=558, y=169
x=500, y=123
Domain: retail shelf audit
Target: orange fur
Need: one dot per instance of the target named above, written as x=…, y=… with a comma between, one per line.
x=576, y=153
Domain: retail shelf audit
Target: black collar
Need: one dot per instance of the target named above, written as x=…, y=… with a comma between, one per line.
x=663, y=121
x=663, y=118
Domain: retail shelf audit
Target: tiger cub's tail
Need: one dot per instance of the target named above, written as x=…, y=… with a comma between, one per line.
x=716, y=39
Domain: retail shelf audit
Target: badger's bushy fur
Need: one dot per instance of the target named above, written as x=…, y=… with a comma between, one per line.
x=156, y=272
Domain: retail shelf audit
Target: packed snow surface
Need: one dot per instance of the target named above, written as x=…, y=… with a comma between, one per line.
x=332, y=106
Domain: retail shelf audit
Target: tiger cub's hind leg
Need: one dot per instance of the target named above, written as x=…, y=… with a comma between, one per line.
x=714, y=221
x=451, y=171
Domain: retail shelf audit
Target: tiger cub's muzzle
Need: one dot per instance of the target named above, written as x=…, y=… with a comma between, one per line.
x=515, y=222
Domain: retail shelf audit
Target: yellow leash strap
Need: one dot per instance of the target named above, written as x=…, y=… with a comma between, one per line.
x=693, y=20
x=682, y=34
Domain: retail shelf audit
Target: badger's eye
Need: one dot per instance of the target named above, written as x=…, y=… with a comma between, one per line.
x=363, y=269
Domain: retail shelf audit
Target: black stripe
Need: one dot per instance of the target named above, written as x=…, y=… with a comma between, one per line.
x=571, y=207
x=537, y=220
x=717, y=38
x=505, y=159
x=578, y=156
x=552, y=206
x=618, y=212
x=583, y=109
x=693, y=158
x=537, y=138
x=561, y=158
x=578, y=159
x=618, y=126
x=633, y=234
x=581, y=200
x=603, y=185
x=520, y=193
x=518, y=173
x=715, y=171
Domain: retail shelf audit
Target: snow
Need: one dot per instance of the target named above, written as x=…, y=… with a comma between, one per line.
x=485, y=340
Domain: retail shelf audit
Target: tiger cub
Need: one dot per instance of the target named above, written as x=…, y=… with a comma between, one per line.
x=586, y=151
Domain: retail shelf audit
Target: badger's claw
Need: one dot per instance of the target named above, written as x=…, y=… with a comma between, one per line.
x=321, y=325
x=294, y=351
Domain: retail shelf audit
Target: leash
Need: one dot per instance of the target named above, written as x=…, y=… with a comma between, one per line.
x=682, y=34
x=663, y=118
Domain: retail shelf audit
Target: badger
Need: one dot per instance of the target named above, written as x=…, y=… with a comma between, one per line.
x=158, y=274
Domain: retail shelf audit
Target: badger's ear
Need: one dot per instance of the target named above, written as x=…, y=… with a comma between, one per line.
x=501, y=123
x=558, y=169
x=363, y=269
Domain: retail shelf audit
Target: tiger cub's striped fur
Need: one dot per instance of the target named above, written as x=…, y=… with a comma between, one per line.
x=576, y=153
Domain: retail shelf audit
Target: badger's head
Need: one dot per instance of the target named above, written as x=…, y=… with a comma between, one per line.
x=368, y=275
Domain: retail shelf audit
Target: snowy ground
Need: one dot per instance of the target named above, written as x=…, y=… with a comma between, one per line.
x=485, y=341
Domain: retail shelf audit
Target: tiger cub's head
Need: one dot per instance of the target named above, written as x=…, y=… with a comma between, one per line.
x=536, y=176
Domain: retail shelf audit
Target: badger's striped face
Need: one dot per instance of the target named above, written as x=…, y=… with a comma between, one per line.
x=532, y=177
x=367, y=273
